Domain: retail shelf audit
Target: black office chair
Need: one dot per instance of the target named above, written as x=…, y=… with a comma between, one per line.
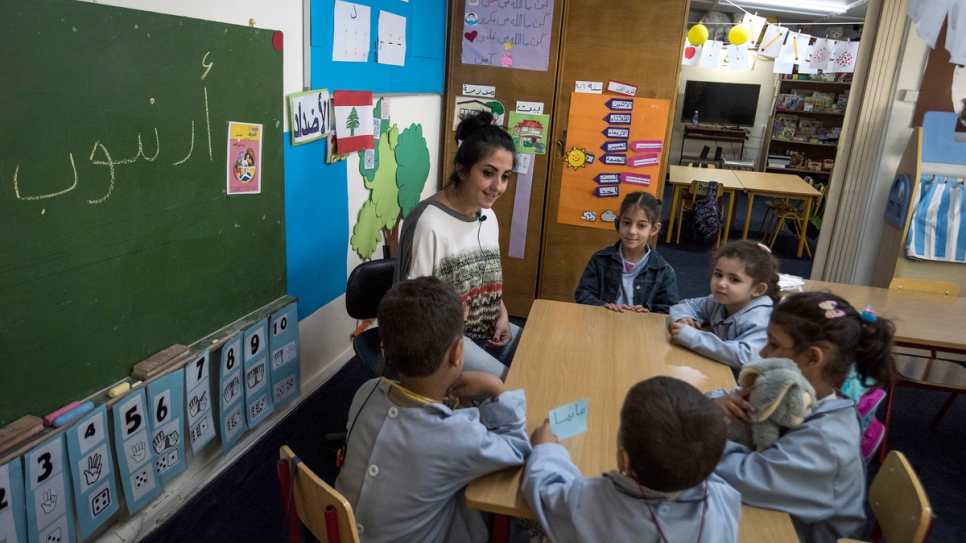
x=366, y=286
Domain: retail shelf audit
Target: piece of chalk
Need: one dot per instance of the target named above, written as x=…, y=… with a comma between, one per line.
x=118, y=390
x=73, y=414
x=49, y=419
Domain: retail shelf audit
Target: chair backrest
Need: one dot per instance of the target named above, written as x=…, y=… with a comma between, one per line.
x=817, y=206
x=898, y=501
x=699, y=189
x=922, y=285
x=366, y=286
x=316, y=502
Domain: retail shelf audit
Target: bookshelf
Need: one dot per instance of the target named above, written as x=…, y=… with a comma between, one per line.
x=805, y=125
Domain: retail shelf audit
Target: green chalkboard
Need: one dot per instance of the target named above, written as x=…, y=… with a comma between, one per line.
x=117, y=235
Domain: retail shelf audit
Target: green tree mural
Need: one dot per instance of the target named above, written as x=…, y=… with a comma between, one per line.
x=352, y=122
x=401, y=167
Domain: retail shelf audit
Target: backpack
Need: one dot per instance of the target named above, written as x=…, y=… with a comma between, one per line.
x=707, y=214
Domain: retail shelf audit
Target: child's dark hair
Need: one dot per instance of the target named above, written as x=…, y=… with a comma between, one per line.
x=478, y=138
x=816, y=318
x=640, y=200
x=418, y=321
x=672, y=433
x=760, y=264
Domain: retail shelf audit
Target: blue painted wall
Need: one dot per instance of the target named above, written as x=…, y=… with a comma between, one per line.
x=316, y=225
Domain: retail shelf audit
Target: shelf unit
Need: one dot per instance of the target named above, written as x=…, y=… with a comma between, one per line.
x=811, y=150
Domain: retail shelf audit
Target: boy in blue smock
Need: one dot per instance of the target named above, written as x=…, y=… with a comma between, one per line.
x=670, y=439
x=409, y=455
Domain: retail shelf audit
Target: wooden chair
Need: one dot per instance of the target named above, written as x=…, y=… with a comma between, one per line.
x=929, y=373
x=698, y=190
x=773, y=205
x=796, y=217
x=324, y=511
x=901, y=508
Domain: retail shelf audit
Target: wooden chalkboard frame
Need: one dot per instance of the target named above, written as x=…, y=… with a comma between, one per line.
x=118, y=236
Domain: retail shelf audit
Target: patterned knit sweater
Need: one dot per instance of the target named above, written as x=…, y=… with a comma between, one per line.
x=461, y=250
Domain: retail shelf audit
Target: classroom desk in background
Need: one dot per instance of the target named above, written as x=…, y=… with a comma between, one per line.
x=681, y=177
x=569, y=352
x=782, y=185
x=921, y=320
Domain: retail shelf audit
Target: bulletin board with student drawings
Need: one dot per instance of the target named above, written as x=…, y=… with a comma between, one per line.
x=614, y=147
x=119, y=239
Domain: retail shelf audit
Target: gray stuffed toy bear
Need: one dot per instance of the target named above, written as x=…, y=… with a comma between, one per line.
x=782, y=397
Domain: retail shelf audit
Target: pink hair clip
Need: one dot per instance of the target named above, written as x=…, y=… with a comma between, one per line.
x=764, y=248
x=831, y=309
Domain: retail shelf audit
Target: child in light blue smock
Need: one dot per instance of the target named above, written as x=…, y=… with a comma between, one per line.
x=670, y=439
x=814, y=471
x=744, y=287
x=408, y=454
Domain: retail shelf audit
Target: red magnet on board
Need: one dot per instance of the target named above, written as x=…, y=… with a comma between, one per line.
x=277, y=40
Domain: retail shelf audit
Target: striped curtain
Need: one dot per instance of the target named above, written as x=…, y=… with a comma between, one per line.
x=937, y=230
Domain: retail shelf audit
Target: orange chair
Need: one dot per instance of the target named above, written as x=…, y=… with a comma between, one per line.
x=306, y=497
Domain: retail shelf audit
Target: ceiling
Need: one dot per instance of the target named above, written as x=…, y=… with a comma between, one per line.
x=785, y=11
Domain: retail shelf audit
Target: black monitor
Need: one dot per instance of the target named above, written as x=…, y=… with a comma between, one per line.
x=720, y=103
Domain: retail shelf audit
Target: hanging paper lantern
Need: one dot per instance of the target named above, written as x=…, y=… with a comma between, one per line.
x=739, y=34
x=698, y=34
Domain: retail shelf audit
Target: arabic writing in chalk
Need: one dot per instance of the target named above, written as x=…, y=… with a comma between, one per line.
x=110, y=163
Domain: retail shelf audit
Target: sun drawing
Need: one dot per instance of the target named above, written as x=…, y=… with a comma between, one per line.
x=576, y=158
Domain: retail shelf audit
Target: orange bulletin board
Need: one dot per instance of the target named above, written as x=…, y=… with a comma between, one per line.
x=614, y=145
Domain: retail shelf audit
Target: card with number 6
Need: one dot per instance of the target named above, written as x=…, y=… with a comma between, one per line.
x=166, y=410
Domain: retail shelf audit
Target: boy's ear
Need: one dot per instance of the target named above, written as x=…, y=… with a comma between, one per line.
x=456, y=353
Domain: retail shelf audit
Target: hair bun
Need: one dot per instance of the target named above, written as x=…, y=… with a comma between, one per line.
x=471, y=122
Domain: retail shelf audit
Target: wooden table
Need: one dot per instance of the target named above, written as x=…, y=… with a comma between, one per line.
x=930, y=321
x=569, y=352
x=783, y=185
x=681, y=177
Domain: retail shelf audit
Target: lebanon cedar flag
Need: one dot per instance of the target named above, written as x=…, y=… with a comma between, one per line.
x=353, y=121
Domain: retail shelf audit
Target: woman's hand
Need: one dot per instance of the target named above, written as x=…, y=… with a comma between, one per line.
x=736, y=407
x=543, y=435
x=501, y=329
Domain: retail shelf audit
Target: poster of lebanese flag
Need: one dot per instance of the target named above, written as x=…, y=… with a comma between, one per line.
x=353, y=121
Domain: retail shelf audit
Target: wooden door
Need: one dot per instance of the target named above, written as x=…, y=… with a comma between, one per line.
x=512, y=85
x=640, y=43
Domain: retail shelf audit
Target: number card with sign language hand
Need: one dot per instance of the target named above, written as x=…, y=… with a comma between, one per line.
x=166, y=405
x=13, y=522
x=92, y=469
x=232, y=396
x=135, y=458
x=284, y=350
x=258, y=397
x=201, y=424
x=48, y=496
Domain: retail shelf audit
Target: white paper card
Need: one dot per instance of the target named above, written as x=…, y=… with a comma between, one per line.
x=392, y=39
x=756, y=24
x=523, y=163
x=691, y=54
x=710, y=54
x=589, y=87
x=772, y=41
x=350, y=41
x=533, y=108
x=479, y=90
x=737, y=57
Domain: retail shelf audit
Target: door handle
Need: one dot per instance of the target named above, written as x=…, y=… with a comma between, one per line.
x=562, y=143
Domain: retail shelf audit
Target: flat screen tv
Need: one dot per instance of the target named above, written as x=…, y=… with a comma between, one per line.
x=720, y=103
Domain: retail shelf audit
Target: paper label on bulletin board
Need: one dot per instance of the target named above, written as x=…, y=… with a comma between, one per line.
x=509, y=34
x=92, y=470
x=600, y=166
x=13, y=522
x=244, y=158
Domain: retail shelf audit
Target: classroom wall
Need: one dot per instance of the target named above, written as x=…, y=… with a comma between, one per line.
x=761, y=75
